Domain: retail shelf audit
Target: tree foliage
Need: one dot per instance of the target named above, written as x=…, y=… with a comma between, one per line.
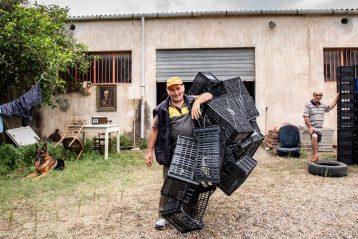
x=35, y=44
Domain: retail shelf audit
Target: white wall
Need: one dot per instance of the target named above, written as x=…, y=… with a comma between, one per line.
x=289, y=59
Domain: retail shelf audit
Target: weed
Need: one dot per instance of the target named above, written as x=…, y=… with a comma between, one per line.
x=11, y=217
x=125, y=142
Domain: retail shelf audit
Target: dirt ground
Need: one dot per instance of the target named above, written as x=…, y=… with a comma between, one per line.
x=280, y=199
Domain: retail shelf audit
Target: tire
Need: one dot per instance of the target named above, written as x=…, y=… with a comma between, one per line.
x=327, y=168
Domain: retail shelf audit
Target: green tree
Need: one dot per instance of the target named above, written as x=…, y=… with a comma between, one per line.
x=35, y=44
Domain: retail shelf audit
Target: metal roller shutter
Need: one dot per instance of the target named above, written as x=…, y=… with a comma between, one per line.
x=224, y=63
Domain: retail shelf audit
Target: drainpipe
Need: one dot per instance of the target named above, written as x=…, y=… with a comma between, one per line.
x=142, y=84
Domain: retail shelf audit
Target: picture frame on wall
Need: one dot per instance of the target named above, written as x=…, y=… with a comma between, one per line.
x=106, y=97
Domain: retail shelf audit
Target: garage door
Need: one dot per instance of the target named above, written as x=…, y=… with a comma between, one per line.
x=224, y=63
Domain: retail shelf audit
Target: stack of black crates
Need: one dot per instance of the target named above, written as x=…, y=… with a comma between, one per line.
x=218, y=155
x=347, y=115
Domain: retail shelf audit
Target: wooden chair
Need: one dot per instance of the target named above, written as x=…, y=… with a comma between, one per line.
x=98, y=141
x=70, y=139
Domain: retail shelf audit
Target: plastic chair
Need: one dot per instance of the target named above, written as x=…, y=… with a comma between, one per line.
x=289, y=141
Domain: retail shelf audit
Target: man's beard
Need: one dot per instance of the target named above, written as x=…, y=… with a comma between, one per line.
x=177, y=99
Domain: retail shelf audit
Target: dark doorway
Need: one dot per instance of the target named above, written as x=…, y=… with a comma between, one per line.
x=162, y=93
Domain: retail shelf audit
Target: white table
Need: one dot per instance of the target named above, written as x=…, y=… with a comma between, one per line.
x=102, y=128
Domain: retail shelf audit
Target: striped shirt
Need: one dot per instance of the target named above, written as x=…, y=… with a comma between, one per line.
x=315, y=113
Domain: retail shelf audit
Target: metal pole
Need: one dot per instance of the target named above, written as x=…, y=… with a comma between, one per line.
x=142, y=87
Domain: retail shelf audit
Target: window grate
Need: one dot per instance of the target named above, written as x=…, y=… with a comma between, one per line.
x=334, y=57
x=109, y=67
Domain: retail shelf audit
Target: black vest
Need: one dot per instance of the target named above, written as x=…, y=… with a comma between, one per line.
x=163, y=146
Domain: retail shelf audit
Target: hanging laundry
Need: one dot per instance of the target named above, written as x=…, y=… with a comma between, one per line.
x=22, y=106
x=1, y=123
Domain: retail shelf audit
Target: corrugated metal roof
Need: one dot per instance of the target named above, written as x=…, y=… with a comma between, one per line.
x=217, y=14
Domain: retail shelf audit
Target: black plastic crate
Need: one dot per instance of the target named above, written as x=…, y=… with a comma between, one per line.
x=208, y=159
x=347, y=104
x=342, y=92
x=347, y=123
x=346, y=80
x=346, y=88
x=344, y=97
x=248, y=146
x=351, y=113
x=344, y=110
x=347, y=159
x=234, y=174
x=345, y=71
x=348, y=101
x=233, y=123
x=347, y=151
x=186, y=217
x=237, y=91
x=346, y=126
x=347, y=143
x=351, y=117
x=347, y=134
x=202, y=83
x=255, y=125
x=203, y=121
x=178, y=189
x=183, y=163
x=344, y=121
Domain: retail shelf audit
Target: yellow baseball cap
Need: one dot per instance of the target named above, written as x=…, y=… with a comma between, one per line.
x=175, y=80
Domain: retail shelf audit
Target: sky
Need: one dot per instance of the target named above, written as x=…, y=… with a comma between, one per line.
x=110, y=7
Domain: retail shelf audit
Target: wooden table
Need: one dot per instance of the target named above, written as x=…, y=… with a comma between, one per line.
x=103, y=128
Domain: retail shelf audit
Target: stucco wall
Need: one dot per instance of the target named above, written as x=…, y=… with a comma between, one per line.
x=289, y=60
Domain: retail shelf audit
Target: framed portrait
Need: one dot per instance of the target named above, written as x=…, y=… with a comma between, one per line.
x=106, y=97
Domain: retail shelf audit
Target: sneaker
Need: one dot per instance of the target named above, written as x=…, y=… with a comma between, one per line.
x=161, y=224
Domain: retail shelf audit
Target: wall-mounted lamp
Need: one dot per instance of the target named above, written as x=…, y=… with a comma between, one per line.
x=344, y=20
x=272, y=24
x=72, y=27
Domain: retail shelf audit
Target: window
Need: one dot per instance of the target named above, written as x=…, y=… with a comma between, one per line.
x=110, y=67
x=334, y=57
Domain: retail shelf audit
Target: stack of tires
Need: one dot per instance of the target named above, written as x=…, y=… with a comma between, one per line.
x=218, y=155
x=347, y=115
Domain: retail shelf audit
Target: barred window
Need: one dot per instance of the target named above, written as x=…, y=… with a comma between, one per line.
x=110, y=67
x=334, y=57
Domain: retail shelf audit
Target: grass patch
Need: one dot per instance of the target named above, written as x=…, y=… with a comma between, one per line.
x=81, y=179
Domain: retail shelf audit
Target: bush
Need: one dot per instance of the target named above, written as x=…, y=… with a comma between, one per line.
x=10, y=158
x=143, y=144
x=13, y=158
x=125, y=142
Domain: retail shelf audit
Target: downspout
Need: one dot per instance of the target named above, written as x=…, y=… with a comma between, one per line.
x=142, y=107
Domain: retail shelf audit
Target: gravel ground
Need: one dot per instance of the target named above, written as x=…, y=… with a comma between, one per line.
x=280, y=199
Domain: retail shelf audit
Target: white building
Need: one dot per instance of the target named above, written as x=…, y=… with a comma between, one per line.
x=283, y=56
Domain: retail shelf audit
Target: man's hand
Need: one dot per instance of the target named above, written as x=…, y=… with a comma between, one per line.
x=195, y=110
x=311, y=129
x=149, y=158
x=201, y=99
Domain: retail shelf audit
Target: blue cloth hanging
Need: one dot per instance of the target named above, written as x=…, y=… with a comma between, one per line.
x=22, y=106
